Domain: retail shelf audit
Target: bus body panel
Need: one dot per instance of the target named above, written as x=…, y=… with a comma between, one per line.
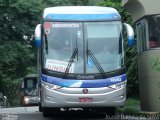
x=52, y=98
x=57, y=87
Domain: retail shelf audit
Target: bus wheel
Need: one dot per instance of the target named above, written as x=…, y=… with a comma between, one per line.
x=50, y=111
x=46, y=112
x=40, y=108
x=110, y=111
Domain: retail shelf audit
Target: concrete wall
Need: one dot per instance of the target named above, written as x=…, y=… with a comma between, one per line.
x=124, y=2
x=141, y=8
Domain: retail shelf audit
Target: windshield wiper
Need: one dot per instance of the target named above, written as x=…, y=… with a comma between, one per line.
x=95, y=61
x=75, y=52
x=31, y=93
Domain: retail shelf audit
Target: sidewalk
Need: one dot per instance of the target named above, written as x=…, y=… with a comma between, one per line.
x=135, y=110
x=19, y=110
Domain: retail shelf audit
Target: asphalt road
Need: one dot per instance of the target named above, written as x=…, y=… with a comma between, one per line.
x=31, y=113
x=62, y=116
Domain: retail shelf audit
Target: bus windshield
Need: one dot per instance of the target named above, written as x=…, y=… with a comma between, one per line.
x=83, y=47
x=30, y=86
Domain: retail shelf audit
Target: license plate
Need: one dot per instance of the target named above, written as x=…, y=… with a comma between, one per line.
x=85, y=99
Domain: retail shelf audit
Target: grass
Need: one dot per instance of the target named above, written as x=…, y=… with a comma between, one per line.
x=132, y=102
x=131, y=107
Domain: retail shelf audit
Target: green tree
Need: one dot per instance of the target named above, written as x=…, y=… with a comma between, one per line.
x=17, y=22
x=71, y=2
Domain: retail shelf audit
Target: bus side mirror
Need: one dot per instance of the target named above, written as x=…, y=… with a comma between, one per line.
x=37, y=36
x=22, y=86
x=130, y=34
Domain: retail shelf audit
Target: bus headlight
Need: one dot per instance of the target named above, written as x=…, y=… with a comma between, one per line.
x=118, y=85
x=51, y=86
x=26, y=99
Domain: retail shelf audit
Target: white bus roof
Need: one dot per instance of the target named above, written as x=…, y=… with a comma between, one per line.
x=78, y=10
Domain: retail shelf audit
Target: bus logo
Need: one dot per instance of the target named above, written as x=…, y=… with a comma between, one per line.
x=85, y=91
x=85, y=77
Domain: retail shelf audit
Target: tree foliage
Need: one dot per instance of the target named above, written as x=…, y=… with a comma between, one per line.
x=17, y=22
x=71, y=2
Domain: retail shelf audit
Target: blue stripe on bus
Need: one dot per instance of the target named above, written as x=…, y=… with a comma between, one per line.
x=112, y=16
x=84, y=83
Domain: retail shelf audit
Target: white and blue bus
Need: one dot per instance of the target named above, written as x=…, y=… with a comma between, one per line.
x=81, y=58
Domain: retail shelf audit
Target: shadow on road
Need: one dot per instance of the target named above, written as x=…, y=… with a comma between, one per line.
x=76, y=116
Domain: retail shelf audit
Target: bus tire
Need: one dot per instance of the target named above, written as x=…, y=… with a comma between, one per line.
x=110, y=111
x=50, y=111
x=40, y=108
x=46, y=112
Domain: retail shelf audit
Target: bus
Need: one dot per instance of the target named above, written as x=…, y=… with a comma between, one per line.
x=29, y=96
x=146, y=20
x=81, y=58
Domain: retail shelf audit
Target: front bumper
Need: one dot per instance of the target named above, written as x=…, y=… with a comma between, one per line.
x=70, y=97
